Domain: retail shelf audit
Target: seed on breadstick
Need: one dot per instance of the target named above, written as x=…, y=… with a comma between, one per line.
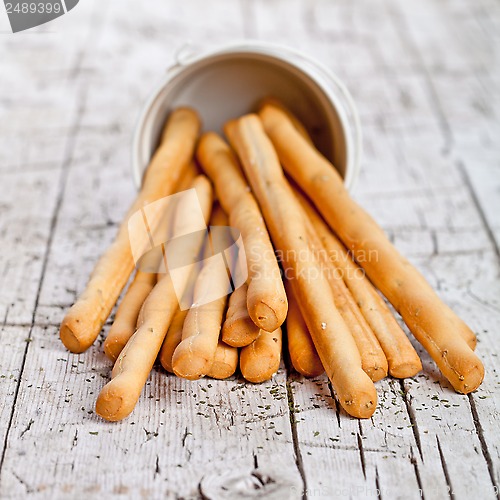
x=118, y=397
x=260, y=360
x=432, y=322
x=194, y=356
x=84, y=320
x=287, y=225
x=303, y=354
x=402, y=358
x=225, y=361
x=125, y=322
x=127, y=315
x=239, y=330
x=266, y=298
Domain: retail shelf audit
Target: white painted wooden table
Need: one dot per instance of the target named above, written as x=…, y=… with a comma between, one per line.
x=426, y=77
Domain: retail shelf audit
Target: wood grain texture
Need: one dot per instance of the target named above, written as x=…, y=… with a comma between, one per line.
x=425, y=77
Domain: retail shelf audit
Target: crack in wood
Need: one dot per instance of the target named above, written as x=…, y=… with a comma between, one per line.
x=466, y=180
x=360, y=449
x=295, y=439
x=377, y=484
x=418, y=477
x=445, y=470
x=411, y=415
x=484, y=446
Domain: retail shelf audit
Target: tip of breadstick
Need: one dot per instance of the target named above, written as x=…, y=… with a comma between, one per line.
x=363, y=406
x=406, y=369
x=113, y=349
x=111, y=404
x=70, y=338
x=187, y=111
x=471, y=381
x=260, y=369
x=187, y=365
x=270, y=113
x=308, y=367
x=265, y=317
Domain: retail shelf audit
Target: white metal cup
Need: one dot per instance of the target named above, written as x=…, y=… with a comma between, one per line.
x=228, y=82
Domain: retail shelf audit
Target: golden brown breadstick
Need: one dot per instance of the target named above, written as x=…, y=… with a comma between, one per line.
x=174, y=333
x=125, y=322
x=303, y=354
x=432, y=322
x=466, y=333
x=84, y=320
x=239, y=330
x=119, y=396
x=266, y=298
x=172, y=339
x=402, y=358
x=260, y=360
x=194, y=356
x=273, y=101
x=225, y=361
x=127, y=315
x=373, y=360
x=286, y=222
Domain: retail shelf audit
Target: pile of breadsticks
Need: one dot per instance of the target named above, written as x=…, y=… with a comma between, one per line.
x=315, y=258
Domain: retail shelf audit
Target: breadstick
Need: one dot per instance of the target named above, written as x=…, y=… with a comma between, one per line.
x=303, y=354
x=266, y=298
x=466, y=333
x=433, y=323
x=373, y=360
x=194, y=356
x=174, y=333
x=84, y=320
x=402, y=358
x=225, y=361
x=127, y=315
x=133, y=366
x=272, y=101
x=260, y=360
x=172, y=339
x=239, y=330
x=124, y=325
x=286, y=222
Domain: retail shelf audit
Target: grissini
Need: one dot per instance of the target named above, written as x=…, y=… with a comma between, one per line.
x=260, y=360
x=124, y=324
x=239, y=330
x=402, y=358
x=83, y=322
x=286, y=222
x=225, y=361
x=273, y=101
x=266, y=298
x=373, y=360
x=433, y=323
x=466, y=333
x=127, y=314
x=194, y=356
x=303, y=354
x=118, y=397
x=174, y=333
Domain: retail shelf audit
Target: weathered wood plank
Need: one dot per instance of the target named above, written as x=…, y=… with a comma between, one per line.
x=424, y=79
x=13, y=341
x=179, y=433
